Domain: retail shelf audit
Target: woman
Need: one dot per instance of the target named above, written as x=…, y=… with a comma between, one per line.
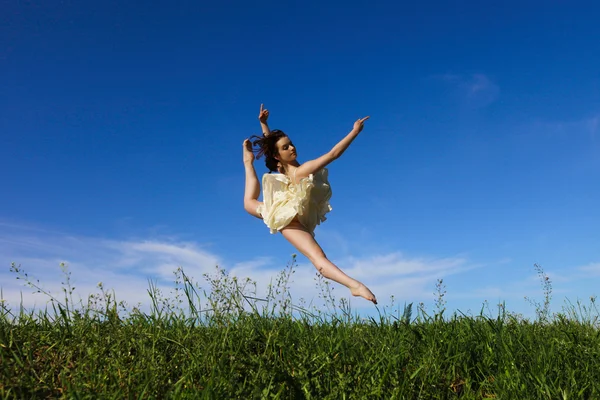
x=296, y=199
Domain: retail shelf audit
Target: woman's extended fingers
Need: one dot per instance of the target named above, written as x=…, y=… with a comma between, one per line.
x=263, y=113
x=263, y=110
x=360, y=123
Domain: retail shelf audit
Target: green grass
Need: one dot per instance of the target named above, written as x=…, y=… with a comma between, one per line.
x=230, y=345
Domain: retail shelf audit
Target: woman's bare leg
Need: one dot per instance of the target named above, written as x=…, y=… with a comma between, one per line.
x=252, y=190
x=307, y=245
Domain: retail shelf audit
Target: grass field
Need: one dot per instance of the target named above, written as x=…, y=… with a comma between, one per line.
x=228, y=344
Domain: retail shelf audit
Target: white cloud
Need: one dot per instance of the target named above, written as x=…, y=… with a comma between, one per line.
x=591, y=269
x=474, y=90
x=583, y=126
x=383, y=266
x=127, y=266
x=247, y=267
x=406, y=278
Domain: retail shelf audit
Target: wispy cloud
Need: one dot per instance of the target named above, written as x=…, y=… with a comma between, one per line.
x=587, y=125
x=405, y=277
x=591, y=269
x=127, y=265
x=474, y=90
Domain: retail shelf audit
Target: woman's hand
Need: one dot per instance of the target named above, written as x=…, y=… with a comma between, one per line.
x=263, y=115
x=360, y=124
x=248, y=153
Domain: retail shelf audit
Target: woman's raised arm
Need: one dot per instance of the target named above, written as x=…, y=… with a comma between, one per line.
x=312, y=166
x=263, y=115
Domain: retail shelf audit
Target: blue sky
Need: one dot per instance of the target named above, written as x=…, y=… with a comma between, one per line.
x=121, y=130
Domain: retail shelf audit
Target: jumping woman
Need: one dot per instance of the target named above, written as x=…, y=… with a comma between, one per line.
x=296, y=199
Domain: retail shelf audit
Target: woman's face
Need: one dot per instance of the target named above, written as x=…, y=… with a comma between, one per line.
x=286, y=150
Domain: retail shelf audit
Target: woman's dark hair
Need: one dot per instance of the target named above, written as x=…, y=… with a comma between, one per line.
x=267, y=146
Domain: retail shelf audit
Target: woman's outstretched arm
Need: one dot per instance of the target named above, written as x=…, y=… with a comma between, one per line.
x=263, y=115
x=312, y=166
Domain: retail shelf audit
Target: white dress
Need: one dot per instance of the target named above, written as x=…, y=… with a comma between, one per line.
x=283, y=200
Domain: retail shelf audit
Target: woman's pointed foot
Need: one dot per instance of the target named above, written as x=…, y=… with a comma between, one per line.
x=363, y=292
